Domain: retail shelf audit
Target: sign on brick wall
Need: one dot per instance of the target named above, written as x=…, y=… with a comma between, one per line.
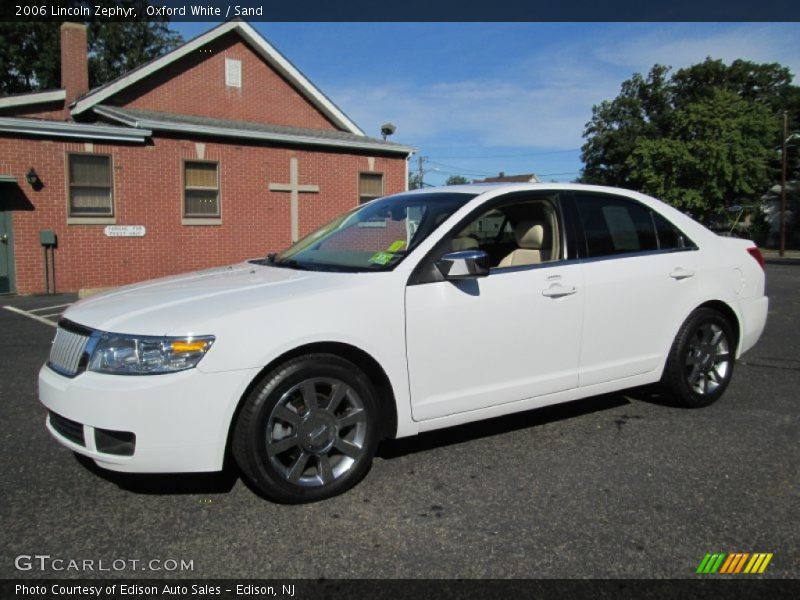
x=124, y=231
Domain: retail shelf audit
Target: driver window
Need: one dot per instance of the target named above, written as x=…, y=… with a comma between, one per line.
x=520, y=233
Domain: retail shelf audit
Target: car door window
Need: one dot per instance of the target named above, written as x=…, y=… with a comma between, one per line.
x=614, y=225
x=517, y=233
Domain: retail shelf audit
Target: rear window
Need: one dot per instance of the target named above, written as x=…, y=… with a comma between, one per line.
x=614, y=225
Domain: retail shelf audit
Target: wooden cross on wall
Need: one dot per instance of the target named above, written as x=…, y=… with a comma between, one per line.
x=295, y=189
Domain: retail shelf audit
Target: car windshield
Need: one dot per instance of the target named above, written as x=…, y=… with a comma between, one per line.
x=372, y=237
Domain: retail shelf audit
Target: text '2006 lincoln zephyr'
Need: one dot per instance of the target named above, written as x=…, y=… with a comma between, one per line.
x=410, y=313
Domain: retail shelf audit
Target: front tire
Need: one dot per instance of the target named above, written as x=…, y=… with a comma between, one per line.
x=308, y=430
x=700, y=363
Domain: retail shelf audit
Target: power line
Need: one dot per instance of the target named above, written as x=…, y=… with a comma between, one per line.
x=512, y=155
x=467, y=171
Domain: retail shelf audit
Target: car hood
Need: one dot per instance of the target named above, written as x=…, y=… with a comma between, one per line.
x=183, y=304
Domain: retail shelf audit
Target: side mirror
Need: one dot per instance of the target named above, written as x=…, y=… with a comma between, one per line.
x=464, y=264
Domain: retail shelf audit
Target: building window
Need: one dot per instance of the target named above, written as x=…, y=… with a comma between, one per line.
x=233, y=73
x=90, y=186
x=201, y=189
x=370, y=186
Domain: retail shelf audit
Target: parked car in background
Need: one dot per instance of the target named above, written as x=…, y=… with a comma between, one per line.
x=410, y=313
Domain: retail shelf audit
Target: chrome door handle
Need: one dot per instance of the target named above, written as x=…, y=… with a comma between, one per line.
x=557, y=291
x=680, y=273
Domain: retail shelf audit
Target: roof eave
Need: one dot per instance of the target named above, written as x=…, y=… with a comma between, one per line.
x=72, y=130
x=231, y=132
x=33, y=99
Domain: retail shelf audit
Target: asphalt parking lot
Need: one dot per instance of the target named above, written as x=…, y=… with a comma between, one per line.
x=623, y=485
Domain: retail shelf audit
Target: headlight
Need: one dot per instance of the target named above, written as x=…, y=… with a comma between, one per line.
x=138, y=355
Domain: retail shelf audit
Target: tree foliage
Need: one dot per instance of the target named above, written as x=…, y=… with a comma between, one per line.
x=456, y=180
x=702, y=138
x=415, y=180
x=30, y=58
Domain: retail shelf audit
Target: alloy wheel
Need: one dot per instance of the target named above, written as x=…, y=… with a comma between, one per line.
x=316, y=432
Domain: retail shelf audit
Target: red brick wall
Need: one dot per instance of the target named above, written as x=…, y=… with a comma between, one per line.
x=195, y=85
x=52, y=110
x=148, y=191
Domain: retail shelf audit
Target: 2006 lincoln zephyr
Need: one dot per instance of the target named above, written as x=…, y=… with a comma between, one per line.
x=410, y=313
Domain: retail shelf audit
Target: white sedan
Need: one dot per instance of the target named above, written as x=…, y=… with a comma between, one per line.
x=410, y=313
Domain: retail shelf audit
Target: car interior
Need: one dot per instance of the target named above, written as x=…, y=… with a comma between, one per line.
x=517, y=234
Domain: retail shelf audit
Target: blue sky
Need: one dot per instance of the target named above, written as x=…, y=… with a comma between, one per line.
x=479, y=98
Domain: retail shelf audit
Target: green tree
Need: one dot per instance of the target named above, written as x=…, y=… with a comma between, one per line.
x=29, y=51
x=456, y=180
x=415, y=181
x=716, y=155
x=701, y=138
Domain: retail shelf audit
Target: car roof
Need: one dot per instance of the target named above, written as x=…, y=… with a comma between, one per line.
x=483, y=188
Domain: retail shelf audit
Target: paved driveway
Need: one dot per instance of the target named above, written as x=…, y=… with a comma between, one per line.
x=623, y=485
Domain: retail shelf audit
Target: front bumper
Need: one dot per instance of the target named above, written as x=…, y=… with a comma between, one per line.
x=180, y=421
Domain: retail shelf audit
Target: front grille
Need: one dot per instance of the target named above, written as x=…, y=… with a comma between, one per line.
x=67, y=351
x=69, y=429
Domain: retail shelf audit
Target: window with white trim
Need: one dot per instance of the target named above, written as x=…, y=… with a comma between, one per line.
x=201, y=189
x=90, y=185
x=370, y=186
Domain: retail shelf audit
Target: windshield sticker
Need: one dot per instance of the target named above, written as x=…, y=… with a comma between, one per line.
x=397, y=246
x=381, y=258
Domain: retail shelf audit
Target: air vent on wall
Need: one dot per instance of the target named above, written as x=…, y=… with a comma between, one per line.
x=233, y=73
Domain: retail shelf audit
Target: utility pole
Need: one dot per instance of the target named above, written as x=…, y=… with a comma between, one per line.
x=782, y=249
x=420, y=171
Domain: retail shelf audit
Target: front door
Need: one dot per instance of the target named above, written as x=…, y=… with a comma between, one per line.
x=6, y=253
x=509, y=336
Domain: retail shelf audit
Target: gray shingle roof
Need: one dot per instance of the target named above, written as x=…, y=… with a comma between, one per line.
x=244, y=129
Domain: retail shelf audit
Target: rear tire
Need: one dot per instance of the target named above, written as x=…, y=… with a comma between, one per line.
x=308, y=430
x=700, y=363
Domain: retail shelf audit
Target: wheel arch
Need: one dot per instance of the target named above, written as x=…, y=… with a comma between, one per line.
x=371, y=367
x=721, y=307
x=727, y=311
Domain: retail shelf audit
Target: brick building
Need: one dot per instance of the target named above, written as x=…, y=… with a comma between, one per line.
x=218, y=151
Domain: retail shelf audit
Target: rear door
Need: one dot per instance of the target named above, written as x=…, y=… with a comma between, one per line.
x=640, y=277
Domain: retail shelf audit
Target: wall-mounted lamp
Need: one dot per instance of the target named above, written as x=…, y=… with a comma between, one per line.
x=32, y=177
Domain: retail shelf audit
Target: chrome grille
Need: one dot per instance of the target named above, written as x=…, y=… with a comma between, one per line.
x=67, y=351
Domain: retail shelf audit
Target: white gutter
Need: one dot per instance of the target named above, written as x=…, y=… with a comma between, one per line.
x=214, y=131
x=72, y=130
x=34, y=98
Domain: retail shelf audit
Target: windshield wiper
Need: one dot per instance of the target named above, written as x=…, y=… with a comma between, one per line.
x=290, y=263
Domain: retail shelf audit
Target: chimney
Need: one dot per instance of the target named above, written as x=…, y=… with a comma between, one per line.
x=502, y=173
x=74, y=60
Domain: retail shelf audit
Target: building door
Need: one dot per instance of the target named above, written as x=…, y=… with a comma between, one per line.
x=6, y=253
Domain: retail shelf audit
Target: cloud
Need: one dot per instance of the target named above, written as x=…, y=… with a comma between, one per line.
x=680, y=46
x=543, y=99
x=489, y=111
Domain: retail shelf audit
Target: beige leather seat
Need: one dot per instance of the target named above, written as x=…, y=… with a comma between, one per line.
x=463, y=241
x=529, y=236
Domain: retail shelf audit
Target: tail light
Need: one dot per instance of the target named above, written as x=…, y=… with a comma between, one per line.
x=756, y=254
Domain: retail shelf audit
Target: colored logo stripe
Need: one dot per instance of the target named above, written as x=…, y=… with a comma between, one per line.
x=734, y=563
x=711, y=563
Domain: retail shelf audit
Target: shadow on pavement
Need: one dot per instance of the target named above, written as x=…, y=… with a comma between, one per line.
x=499, y=425
x=223, y=482
x=162, y=484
